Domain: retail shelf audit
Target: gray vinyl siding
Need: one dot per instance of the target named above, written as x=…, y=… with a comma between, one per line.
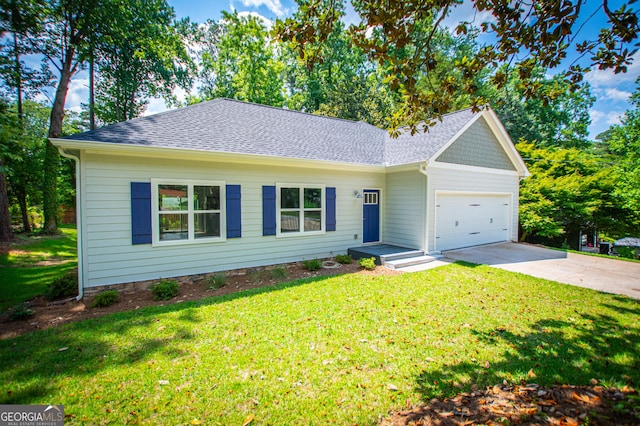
x=458, y=180
x=477, y=146
x=110, y=258
x=404, y=218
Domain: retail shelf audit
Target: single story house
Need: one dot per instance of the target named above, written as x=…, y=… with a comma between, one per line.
x=225, y=184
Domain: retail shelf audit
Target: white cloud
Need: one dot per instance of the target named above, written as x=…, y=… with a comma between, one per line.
x=266, y=22
x=274, y=6
x=155, y=106
x=615, y=94
x=607, y=119
x=78, y=92
x=607, y=78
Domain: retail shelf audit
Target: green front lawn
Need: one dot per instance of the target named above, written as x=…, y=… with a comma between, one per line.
x=33, y=263
x=344, y=349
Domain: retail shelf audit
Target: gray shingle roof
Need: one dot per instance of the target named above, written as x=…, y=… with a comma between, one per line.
x=229, y=126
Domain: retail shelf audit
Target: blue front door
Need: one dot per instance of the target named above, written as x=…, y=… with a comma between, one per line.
x=370, y=216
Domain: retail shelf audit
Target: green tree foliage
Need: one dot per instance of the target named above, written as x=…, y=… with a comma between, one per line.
x=240, y=63
x=623, y=142
x=9, y=134
x=528, y=35
x=18, y=22
x=142, y=56
x=569, y=191
x=345, y=84
x=25, y=168
x=561, y=120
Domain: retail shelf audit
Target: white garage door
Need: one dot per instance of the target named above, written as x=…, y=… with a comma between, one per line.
x=465, y=220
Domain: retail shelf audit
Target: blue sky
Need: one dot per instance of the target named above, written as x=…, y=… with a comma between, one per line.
x=612, y=91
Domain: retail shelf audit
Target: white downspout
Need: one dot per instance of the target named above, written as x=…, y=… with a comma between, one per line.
x=78, y=222
x=422, y=168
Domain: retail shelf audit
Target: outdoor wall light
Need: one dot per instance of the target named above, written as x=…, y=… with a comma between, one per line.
x=357, y=194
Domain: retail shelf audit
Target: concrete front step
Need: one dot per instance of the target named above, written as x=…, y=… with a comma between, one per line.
x=409, y=261
x=400, y=255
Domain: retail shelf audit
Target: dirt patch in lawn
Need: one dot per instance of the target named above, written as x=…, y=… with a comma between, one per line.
x=528, y=404
x=50, y=314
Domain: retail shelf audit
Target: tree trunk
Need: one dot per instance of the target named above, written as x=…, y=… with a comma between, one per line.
x=6, y=233
x=52, y=158
x=18, y=71
x=92, y=101
x=22, y=201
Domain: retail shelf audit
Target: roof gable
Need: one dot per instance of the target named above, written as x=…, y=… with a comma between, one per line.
x=479, y=147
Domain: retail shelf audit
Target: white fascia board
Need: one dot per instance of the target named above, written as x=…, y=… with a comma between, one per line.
x=498, y=129
x=130, y=150
x=466, y=168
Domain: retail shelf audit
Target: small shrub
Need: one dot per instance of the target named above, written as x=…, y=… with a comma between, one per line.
x=105, y=298
x=164, y=290
x=626, y=252
x=20, y=312
x=345, y=259
x=279, y=273
x=368, y=263
x=312, y=264
x=254, y=275
x=62, y=287
x=217, y=281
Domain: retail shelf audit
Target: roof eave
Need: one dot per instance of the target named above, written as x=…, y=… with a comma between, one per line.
x=108, y=148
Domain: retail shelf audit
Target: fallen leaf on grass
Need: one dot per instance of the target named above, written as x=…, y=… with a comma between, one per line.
x=585, y=398
x=248, y=420
x=531, y=374
x=392, y=387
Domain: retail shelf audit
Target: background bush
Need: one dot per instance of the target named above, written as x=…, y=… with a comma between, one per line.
x=345, y=259
x=105, y=298
x=164, y=290
x=63, y=287
x=312, y=264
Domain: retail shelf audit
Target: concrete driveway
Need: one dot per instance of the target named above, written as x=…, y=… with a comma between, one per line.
x=608, y=275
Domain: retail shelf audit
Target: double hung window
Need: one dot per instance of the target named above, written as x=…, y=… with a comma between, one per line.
x=300, y=209
x=187, y=211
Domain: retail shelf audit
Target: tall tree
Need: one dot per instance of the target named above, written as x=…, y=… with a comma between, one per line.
x=243, y=65
x=569, y=191
x=25, y=168
x=346, y=84
x=623, y=141
x=19, y=20
x=67, y=27
x=9, y=132
x=561, y=119
x=527, y=34
x=71, y=29
x=143, y=56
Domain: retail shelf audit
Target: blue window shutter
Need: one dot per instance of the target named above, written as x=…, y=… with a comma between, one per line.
x=141, y=213
x=234, y=213
x=330, y=193
x=268, y=210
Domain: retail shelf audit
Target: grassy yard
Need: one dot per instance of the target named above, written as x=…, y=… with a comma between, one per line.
x=33, y=263
x=345, y=349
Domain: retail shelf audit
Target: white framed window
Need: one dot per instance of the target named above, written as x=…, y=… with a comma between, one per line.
x=300, y=209
x=186, y=211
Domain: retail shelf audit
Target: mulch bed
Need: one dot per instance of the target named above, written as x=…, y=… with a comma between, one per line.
x=527, y=404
